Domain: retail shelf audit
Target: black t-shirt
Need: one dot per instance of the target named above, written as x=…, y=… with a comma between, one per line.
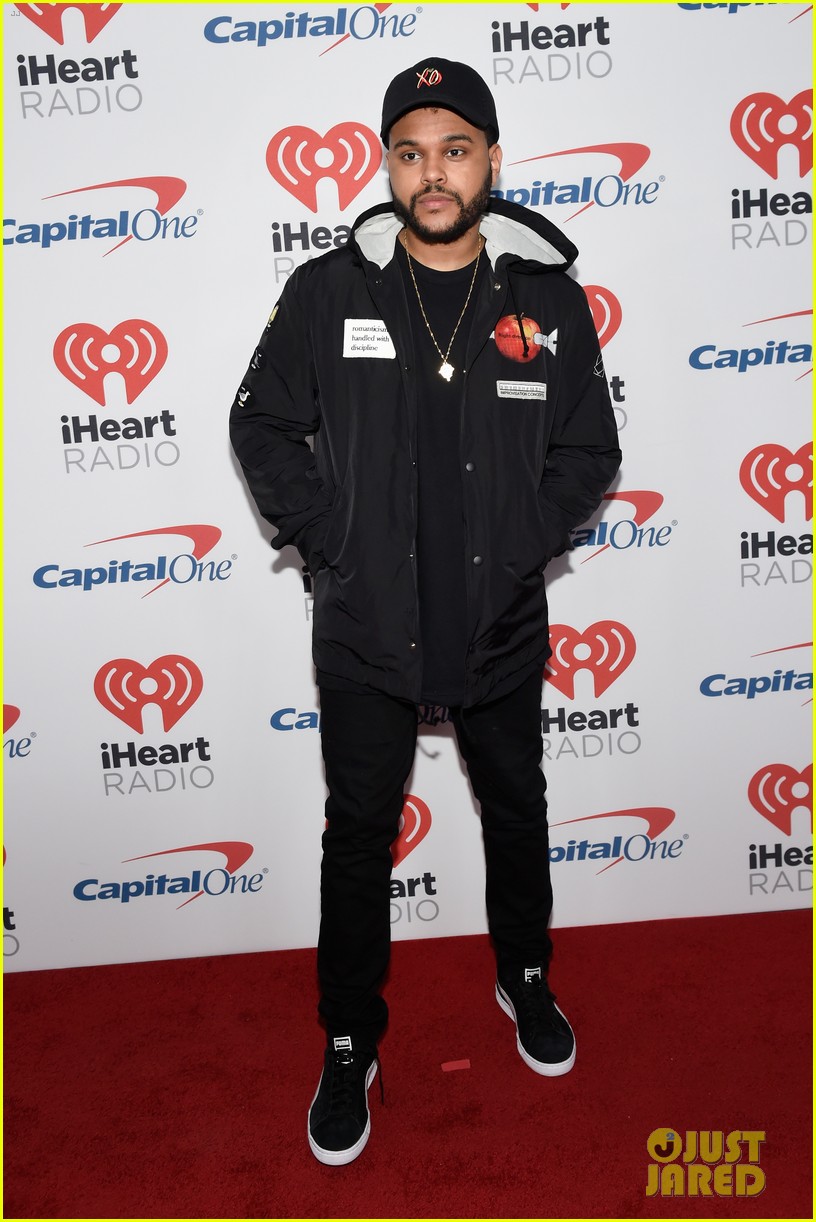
x=440, y=544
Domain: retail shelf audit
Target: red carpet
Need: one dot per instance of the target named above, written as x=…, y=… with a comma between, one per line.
x=179, y=1089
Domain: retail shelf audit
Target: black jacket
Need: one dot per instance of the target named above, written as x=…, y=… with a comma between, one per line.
x=538, y=444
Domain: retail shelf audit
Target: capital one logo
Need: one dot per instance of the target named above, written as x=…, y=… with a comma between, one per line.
x=48, y=18
x=124, y=687
x=145, y=225
x=628, y=532
x=605, y=649
x=415, y=822
x=236, y=853
x=220, y=880
x=770, y=472
x=11, y=715
x=181, y=569
x=607, y=191
x=298, y=158
x=777, y=790
x=638, y=846
x=762, y=124
x=606, y=311
x=85, y=355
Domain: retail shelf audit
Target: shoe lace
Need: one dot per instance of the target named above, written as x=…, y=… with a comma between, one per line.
x=536, y=1001
x=346, y=1069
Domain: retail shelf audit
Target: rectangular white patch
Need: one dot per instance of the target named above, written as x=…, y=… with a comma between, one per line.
x=521, y=390
x=367, y=337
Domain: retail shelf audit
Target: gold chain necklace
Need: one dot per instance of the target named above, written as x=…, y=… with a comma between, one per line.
x=446, y=369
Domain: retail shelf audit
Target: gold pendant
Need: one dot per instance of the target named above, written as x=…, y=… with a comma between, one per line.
x=446, y=370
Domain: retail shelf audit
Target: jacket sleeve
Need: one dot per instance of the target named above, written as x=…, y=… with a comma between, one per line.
x=583, y=454
x=275, y=410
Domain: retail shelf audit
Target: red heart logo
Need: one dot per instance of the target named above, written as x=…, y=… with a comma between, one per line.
x=124, y=687
x=757, y=129
x=48, y=17
x=770, y=472
x=415, y=823
x=298, y=158
x=85, y=354
x=605, y=649
x=606, y=311
x=777, y=789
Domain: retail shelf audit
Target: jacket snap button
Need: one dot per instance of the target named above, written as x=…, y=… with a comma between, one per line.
x=412, y=644
x=469, y=466
x=477, y=560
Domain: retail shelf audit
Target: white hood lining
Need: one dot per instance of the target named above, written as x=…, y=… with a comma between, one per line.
x=376, y=238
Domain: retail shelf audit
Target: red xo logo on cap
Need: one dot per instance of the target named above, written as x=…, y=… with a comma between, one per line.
x=428, y=76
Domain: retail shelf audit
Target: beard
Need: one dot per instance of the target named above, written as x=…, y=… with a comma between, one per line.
x=469, y=213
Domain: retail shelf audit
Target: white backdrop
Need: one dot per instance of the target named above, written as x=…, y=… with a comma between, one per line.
x=163, y=776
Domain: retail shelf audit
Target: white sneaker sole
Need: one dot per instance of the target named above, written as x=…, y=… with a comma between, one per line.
x=545, y=1068
x=339, y=1158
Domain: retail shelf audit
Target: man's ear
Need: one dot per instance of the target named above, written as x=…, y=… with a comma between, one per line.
x=495, y=155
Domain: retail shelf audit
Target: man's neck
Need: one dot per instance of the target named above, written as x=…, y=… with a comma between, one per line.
x=443, y=257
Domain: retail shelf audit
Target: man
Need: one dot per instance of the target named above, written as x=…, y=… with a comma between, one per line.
x=450, y=376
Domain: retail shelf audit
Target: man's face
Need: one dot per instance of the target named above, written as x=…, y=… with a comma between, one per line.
x=441, y=173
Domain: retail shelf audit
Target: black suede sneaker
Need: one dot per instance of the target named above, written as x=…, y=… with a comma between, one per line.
x=339, y=1122
x=545, y=1039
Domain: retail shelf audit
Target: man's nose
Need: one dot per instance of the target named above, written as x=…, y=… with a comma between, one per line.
x=433, y=170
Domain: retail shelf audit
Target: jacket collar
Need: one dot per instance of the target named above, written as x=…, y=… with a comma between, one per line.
x=508, y=229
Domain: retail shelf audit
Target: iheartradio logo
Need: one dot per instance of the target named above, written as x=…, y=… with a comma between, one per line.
x=606, y=312
x=49, y=18
x=415, y=823
x=605, y=649
x=298, y=158
x=762, y=124
x=124, y=687
x=777, y=790
x=770, y=472
x=85, y=355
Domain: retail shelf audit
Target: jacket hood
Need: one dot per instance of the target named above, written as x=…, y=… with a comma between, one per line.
x=529, y=241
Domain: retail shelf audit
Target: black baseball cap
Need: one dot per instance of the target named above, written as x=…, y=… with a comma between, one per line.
x=444, y=83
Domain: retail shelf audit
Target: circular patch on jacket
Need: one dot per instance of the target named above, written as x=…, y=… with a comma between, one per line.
x=515, y=343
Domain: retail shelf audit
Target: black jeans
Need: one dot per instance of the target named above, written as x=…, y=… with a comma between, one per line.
x=368, y=747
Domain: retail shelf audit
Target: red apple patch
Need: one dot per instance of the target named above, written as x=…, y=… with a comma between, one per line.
x=510, y=339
